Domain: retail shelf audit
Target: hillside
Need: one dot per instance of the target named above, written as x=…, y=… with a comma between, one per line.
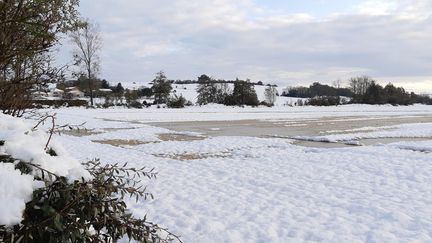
x=189, y=92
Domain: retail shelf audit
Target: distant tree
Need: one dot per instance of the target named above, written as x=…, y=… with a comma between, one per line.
x=207, y=90
x=83, y=83
x=118, y=89
x=397, y=95
x=223, y=91
x=299, y=92
x=270, y=94
x=374, y=94
x=244, y=94
x=88, y=43
x=204, y=79
x=118, y=92
x=131, y=98
x=359, y=85
x=161, y=88
x=337, y=84
x=105, y=84
x=146, y=92
x=324, y=101
x=317, y=89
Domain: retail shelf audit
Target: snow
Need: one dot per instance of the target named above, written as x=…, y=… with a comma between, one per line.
x=421, y=146
x=95, y=118
x=15, y=191
x=246, y=189
x=416, y=130
x=23, y=143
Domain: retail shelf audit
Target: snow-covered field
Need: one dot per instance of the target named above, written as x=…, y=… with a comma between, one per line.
x=254, y=189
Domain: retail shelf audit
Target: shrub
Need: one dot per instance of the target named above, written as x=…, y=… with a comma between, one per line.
x=84, y=211
x=79, y=203
x=324, y=101
x=59, y=103
x=265, y=103
x=176, y=102
x=136, y=104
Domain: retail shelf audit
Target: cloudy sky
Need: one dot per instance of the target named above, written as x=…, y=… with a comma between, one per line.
x=288, y=42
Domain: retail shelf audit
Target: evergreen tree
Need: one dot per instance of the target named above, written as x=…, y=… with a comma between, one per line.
x=118, y=89
x=105, y=84
x=161, y=88
x=207, y=90
x=374, y=94
x=244, y=93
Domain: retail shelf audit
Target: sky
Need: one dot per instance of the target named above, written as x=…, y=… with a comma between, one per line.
x=285, y=42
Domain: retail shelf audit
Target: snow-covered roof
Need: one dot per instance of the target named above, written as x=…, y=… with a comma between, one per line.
x=75, y=92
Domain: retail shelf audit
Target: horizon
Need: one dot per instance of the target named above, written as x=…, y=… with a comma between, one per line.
x=287, y=43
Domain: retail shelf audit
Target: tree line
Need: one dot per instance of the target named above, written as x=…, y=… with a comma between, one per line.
x=361, y=90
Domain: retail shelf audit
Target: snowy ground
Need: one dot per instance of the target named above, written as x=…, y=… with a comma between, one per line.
x=255, y=189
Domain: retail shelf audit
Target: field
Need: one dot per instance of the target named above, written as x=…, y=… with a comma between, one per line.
x=352, y=173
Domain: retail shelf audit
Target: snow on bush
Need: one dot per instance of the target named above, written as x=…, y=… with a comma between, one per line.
x=15, y=191
x=23, y=143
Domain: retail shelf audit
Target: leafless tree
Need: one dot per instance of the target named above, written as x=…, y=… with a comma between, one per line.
x=270, y=94
x=359, y=85
x=88, y=43
x=337, y=84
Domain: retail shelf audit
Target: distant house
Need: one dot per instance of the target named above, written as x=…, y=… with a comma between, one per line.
x=105, y=91
x=39, y=95
x=74, y=93
x=57, y=93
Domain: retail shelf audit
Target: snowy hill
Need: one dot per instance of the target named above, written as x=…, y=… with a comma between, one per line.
x=189, y=92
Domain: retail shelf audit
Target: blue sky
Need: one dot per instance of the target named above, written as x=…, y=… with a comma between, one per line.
x=292, y=42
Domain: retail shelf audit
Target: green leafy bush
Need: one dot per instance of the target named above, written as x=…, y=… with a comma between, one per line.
x=85, y=211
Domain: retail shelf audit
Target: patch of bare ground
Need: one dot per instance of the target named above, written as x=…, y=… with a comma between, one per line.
x=120, y=142
x=179, y=137
x=80, y=132
x=88, y=132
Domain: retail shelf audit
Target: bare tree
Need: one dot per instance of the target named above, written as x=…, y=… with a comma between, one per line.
x=88, y=43
x=337, y=84
x=270, y=94
x=359, y=85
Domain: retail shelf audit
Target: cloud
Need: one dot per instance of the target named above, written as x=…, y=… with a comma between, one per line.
x=228, y=39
